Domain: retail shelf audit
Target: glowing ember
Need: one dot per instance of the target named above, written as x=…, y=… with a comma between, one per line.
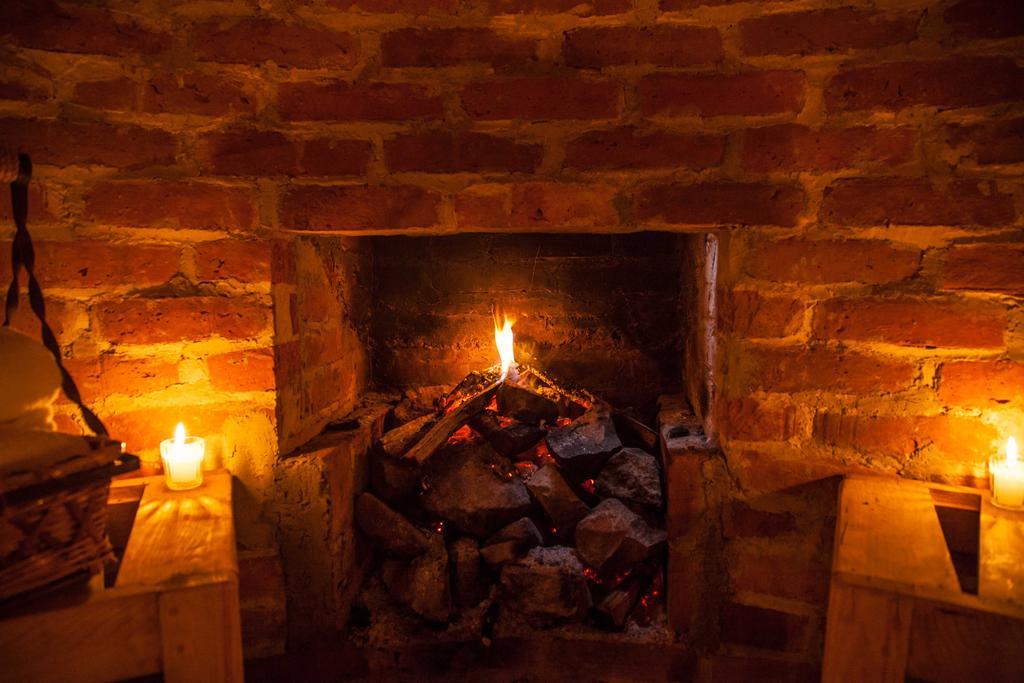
x=590, y=486
x=503, y=338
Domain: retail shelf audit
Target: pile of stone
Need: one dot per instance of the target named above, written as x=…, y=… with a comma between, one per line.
x=543, y=502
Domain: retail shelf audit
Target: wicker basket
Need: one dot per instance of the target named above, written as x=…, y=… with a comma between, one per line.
x=53, y=507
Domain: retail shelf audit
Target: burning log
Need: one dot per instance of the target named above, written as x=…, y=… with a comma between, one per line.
x=464, y=489
x=613, y=539
x=422, y=584
x=397, y=441
x=511, y=542
x=561, y=505
x=584, y=446
x=508, y=440
x=393, y=532
x=437, y=435
x=546, y=586
x=633, y=475
x=524, y=405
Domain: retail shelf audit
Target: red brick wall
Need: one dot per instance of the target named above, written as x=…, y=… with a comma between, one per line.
x=862, y=160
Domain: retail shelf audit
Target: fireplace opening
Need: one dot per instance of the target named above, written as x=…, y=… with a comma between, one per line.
x=492, y=504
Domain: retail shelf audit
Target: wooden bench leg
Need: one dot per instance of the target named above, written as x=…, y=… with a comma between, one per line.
x=867, y=635
x=200, y=633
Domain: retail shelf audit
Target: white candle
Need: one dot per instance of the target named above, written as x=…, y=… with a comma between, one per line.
x=1008, y=478
x=183, y=460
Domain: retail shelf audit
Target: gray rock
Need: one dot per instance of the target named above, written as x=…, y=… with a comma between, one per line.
x=467, y=583
x=563, y=507
x=422, y=583
x=389, y=529
x=583, y=446
x=613, y=539
x=465, y=490
x=393, y=479
x=631, y=474
x=546, y=586
x=511, y=542
x=508, y=440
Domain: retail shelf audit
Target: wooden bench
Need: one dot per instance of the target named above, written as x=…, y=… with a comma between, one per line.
x=898, y=607
x=173, y=608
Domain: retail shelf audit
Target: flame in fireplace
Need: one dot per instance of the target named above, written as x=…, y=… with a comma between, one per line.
x=1011, y=450
x=503, y=338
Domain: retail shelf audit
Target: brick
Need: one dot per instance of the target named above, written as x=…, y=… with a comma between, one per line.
x=340, y=101
x=443, y=152
x=985, y=267
x=823, y=369
x=780, y=573
x=195, y=92
x=960, y=439
x=831, y=30
x=149, y=321
x=438, y=47
x=719, y=204
x=249, y=370
x=759, y=472
x=415, y=7
x=745, y=94
x=145, y=428
x=747, y=419
x=252, y=41
x=980, y=384
x=792, y=147
x=97, y=263
x=171, y=204
x=762, y=627
x=67, y=319
x=831, y=261
x=103, y=376
x=41, y=209
x=677, y=5
x=541, y=98
x=66, y=143
x=65, y=27
x=243, y=261
x=985, y=18
x=743, y=521
x=953, y=82
x=394, y=207
x=118, y=94
x=592, y=8
x=248, y=152
x=662, y=45
x=627, y=148
x=912, y=322
x=748, y=314
x=536, y=206
x=992, y=142
x=12, y=87
x=911, y=201
x=331, y=157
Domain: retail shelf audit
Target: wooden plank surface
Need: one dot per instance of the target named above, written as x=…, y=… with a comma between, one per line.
x=182, y=537
x=201, y=634
x=887, y=529
x=954, y=644
x=867, y=635
x=112, y=636
x=1001, y=555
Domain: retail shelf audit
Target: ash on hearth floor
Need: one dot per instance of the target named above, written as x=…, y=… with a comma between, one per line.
x=513, y=505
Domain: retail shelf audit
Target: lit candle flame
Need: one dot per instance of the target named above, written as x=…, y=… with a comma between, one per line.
x=1011, y=450
x=503, y=338
x=179, y=434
